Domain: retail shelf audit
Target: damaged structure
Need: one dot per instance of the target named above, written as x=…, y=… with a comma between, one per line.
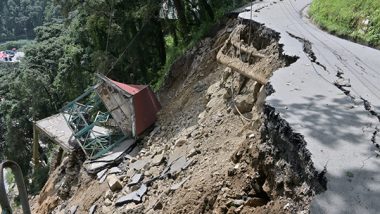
x=101, y=121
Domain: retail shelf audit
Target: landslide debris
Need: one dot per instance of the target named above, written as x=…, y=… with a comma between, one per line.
x=216, y=147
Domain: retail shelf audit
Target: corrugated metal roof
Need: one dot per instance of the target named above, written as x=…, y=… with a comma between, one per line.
x=131, y=89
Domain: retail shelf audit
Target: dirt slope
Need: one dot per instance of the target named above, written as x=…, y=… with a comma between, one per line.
x=216, y=147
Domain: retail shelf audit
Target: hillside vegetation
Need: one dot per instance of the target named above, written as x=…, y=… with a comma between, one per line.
x=356, y=19
x=129, y=41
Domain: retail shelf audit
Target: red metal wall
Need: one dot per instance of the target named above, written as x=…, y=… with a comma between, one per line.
x=146, y=107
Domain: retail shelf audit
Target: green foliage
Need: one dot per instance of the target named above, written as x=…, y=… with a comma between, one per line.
x=18, y=44
x=126, y=40
x=347, y=18
x=9, y=177
x=19, y=18
x=39, y=178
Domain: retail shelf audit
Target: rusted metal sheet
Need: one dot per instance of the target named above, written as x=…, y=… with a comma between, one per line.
x=118, y=105
x=134, y=107
x=146, y=107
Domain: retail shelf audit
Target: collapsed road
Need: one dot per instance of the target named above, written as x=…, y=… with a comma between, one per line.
x=331, y=96
x=254, y=119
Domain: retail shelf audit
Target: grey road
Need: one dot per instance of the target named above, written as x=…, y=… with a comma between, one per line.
x=331, y=95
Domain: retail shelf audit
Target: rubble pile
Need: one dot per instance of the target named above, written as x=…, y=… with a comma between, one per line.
x=212, y=150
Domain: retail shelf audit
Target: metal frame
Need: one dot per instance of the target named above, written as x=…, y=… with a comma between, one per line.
x=78, y=116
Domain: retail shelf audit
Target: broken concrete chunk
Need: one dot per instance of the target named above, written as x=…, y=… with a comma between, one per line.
x=139, y=164
x=114, y=170
x=177, y=165
x=92, y=209
x=135, y=196
x=102, y=179
x=114, y=183
x=135, y=179
x=100, y=174
x=141, y=192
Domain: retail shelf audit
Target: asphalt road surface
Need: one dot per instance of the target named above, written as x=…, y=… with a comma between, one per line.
x=331, y=95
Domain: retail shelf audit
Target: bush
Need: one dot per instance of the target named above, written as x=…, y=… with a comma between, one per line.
x=356, y=19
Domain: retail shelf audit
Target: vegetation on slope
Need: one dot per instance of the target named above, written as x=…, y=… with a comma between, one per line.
x=130, y=41
x=356, y=19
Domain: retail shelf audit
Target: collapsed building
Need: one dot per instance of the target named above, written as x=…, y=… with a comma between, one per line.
x=104, y=122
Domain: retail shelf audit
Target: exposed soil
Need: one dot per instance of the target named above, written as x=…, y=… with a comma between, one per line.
x=240, y=156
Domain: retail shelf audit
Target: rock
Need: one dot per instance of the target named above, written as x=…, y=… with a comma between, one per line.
x=235, y=203
x=255, y=202
x=226, y=94
x=73, y=209
x=231, y=172
x=106, y=209
x=214, y=102
x=180, y=142
x=178, y=185
x=158, y=206
x=107, y=202
x=92, y=209
x=213, y=89
x=244, y=103
x=114, y=183
x=251, y=136
x=192, y=153
x=199, y=87
x=108, y=194
x=158, y=159
x=227, y=73
x=239, y=209
x=130, y=172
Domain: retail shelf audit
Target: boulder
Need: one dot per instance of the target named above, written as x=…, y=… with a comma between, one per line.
x=114, y=183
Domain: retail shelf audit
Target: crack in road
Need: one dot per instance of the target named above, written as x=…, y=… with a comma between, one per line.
x=368, y=107
x=308, y=49
x=373, y=138
x=341, y=83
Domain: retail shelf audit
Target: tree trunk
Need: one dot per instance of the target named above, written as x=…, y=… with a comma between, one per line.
x=204, y=5
x=181, y=13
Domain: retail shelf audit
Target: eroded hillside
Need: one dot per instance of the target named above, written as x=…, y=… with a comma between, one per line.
x=216, y=147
